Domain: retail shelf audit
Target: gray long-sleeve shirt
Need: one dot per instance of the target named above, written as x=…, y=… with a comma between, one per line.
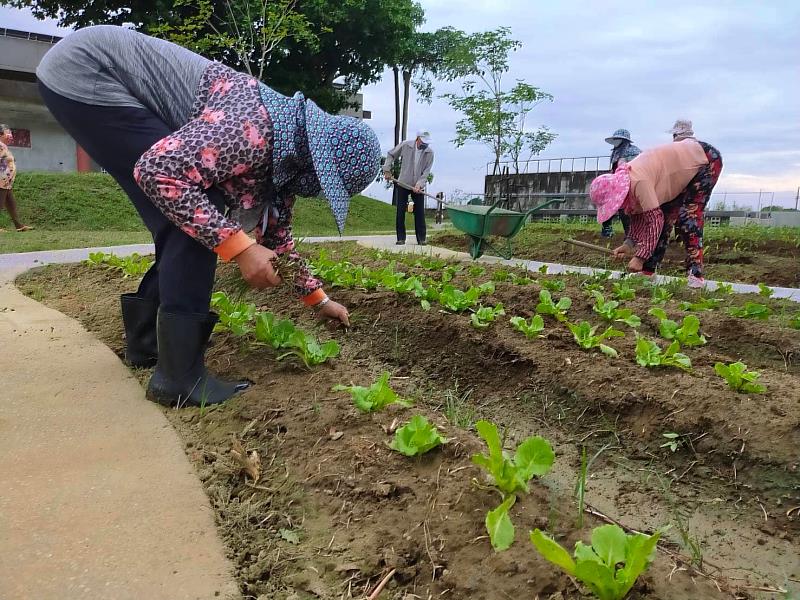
x=415, y=164
x=112, y=66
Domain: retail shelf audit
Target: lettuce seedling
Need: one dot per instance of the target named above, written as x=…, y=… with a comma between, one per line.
x=499, y=526
x=534, y=457
x=233, y=316
x=558, y=310
x=417, y=437
x=554, y=285
x=724, y=289
x=661, y=295
x=739, y=378
x=610, y=566
x=501, y=275
x=751, y=310
x=648, y=354
x=273, y=333
x=532, y=328
x=794, y=322
x=701, y=305
x=584, y=335
x=610, y=311
x=765, y=290
x=305, y=347
x=623, y=291
x=485, y=316
x=375, y=397
x=688, y=333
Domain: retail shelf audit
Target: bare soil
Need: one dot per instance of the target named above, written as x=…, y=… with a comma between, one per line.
x=335, y=510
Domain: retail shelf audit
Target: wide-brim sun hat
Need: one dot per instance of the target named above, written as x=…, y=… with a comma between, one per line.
x=619, y=134
x=608, y=192
x=346, y=155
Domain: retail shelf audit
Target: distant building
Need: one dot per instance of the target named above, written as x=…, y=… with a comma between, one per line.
x=40, y=142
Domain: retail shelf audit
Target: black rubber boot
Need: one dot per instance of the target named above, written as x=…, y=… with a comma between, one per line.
x=139, y=317
x=181, y=378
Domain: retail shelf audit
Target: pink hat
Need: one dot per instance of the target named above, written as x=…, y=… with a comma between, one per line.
x=608, y=192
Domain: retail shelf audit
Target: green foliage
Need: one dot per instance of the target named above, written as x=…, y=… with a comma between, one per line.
x=610, y=566
x=688, y=333
x=130, y=266
x=649, y=354
x=585, y=337
x=493, y=116
x=661, y=295
x=502, y=275
x=456, y=300
x=610, y=311
x=486, y=315
x=702, y=304
x=272, y=332
x=673, y=442
x=622, y=290
x=306, y=347
x=554, y=285
x=499, y=526
x=794, y=322
x=534, y=457
x=739, y=378
x=375, y=397
x=751, y=310
x=765, y=290
x=235, y=317
x=724, y=289
x=532, y=328
x=558, y=309
x=416, y=437
x=476, y=270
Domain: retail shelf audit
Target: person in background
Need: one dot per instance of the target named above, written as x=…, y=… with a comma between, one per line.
x=624, y=151
x=416, y=161
x=682, y=130
x=206, y=154
x=663, y=186
x=8, y=172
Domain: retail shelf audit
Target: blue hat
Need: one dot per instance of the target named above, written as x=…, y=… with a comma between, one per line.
x=619, y=134
x=316, y=152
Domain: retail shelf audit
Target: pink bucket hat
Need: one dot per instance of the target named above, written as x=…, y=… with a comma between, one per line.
x=608, y=192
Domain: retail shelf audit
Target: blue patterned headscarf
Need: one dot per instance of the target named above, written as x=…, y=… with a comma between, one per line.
x=316, y=152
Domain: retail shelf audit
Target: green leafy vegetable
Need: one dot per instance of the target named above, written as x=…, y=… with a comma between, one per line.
x=765, y=290
x=648, y=354
x=273, y=333
x=702, y=304
x=375, y=397
x=751, y=310
x=584, y=335
x=233, y=316
x=623, y=291
x=534, y=457
x=133, y=265
x=554, y=285
x=532, y=328
x=610, y=566
x=417, y=437
x=739, y=378
x=687, y=333
x=486, y=315
x=499, y=525
x=610, y=311
x=673, y=441
x=794, y=322
x=558, y=310
x=306, y=347
x=661, y=295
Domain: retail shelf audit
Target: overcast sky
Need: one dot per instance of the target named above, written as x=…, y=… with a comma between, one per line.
x=733, y=68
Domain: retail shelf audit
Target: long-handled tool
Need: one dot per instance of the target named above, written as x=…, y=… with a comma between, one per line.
x=594, y=247
x=408, y=187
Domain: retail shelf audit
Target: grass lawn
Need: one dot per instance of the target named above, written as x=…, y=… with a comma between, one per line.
x=75, y=210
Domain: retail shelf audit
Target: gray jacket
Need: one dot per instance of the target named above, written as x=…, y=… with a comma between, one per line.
x=412, y=175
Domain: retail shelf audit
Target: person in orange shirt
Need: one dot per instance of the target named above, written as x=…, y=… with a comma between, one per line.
x=662, y=187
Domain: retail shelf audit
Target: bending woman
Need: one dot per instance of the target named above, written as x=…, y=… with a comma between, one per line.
x=206, y=154
x=662, y=187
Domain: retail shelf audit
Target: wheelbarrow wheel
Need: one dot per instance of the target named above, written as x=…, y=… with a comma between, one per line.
x=475, y=247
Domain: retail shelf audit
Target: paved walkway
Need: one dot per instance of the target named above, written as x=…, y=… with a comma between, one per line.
x=97, y=498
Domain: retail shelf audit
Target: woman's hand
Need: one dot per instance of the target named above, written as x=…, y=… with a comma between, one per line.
x=333, y=311
x=635, y=265
x=621, y=252
x=257, y=267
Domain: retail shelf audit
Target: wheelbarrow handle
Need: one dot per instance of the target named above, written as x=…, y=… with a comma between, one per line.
x=541, y=206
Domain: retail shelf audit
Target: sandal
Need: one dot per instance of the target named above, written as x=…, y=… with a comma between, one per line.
x=25, y=228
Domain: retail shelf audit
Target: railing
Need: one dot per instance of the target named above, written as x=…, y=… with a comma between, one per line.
x=27, y=35
x=572, y=164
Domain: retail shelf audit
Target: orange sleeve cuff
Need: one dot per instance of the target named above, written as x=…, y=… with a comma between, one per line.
x=314, y=297
x=234, y=246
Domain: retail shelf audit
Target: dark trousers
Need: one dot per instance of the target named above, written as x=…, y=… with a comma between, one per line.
x=182, y=277
x=420, y=230
x=608, y=226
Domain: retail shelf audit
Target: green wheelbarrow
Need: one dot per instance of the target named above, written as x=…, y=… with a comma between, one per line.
x=482, y=222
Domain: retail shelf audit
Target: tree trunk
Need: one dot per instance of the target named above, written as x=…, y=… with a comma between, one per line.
x=406, y=91
x=396, y=106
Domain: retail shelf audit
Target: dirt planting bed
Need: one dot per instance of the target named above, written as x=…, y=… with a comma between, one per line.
x=335, y=510
x=745, y=255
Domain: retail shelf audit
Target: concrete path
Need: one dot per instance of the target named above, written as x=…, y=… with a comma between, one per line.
x=97, y=498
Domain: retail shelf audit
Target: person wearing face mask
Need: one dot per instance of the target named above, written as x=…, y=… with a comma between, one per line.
x=624, y=152
x=416, y=160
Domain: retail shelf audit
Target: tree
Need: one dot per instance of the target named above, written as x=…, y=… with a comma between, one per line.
x=493, y=116
x=350, y=41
